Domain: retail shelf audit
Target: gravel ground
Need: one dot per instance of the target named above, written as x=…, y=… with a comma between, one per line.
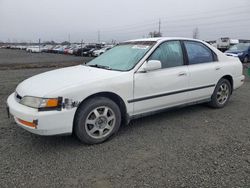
x=17, y=59
x=191, y=147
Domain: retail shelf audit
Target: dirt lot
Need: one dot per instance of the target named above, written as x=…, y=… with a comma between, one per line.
x=17, y=59
x=191, y=147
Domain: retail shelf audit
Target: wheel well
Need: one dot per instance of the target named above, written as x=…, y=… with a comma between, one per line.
x=230, y=79
x=112, y=96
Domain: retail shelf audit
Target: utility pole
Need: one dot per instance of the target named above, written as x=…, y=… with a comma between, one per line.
x=69, y=37
x=159, y=30
x=39, y=44
x=196, y=33
x=81, y=47
x=99, y=37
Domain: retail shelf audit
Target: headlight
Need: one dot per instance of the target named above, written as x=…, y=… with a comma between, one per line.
x=239, y=54
x=33, y=102
x=42, y=104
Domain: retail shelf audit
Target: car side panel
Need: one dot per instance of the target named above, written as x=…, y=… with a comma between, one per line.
x=205, y=76
x=160, y=89
x=121, y=86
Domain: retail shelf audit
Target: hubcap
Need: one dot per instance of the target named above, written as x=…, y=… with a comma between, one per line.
x=223, y=94
x=100, y=122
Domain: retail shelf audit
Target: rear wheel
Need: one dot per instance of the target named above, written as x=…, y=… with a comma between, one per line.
x=97, y=120
x=246, y=59
x=221, y=94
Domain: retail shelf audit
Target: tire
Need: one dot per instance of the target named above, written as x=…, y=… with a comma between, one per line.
x=222, y=94
x=246, y=59
x=96, y=120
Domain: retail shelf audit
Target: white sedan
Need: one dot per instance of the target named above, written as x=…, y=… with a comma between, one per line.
x=97, y=53
x=34, y=49
x=134, y=79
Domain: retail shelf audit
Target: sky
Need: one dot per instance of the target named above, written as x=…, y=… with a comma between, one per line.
x=119, y=20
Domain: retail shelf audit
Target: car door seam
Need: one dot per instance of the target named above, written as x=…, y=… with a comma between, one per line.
x=169, y=93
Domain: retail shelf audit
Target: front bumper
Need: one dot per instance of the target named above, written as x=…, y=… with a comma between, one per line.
x=47, y=123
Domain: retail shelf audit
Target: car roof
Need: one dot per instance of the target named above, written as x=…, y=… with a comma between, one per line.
x=160, y=39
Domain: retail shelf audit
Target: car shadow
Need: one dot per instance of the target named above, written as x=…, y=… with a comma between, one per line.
x=169, y=115
x=152, y=120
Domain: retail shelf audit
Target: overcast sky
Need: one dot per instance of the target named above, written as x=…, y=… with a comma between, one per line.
x=59, y=20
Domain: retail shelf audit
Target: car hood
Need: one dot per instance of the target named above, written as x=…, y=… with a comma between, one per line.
x=52, y=81
x=234, y=51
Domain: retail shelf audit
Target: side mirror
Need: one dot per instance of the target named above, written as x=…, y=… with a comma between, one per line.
x=151, y=65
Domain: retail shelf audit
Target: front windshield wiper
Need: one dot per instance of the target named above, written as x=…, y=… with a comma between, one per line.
x=100, y=66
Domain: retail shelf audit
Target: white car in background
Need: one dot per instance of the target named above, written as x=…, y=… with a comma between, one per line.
x=34, y=49
x=97, y=53
x=46, y=48
x=134, y=79
x=74, y=47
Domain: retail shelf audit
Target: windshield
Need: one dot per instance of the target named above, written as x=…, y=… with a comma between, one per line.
x=240, y=47
x=122, y=57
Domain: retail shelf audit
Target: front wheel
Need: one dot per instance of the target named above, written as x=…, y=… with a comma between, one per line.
x=221, y=94
x=97, y=120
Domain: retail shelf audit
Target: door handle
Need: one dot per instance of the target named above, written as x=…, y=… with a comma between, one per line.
x=182, y=74
x=217, y=68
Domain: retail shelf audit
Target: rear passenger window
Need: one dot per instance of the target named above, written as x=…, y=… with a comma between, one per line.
x=198, y=53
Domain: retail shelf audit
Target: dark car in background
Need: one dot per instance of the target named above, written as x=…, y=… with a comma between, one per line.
x=81, y=51
x=90, y=52
x=241, y=50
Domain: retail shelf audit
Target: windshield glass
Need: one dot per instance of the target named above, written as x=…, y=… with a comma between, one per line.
x=123, y=57
x=240, y=47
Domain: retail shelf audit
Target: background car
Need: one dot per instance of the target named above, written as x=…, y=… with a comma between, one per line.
x=97, y=53
x=80, y=51
x=46, y=48
x=58, y=49
x=73, y=49
x=90, y=52
x=241, y=50
x=34, y=49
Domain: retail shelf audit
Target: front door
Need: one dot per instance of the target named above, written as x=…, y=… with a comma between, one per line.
x=159, y=89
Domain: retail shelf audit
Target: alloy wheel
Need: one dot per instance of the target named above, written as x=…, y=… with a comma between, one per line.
x=100, y=122
x=223, y=94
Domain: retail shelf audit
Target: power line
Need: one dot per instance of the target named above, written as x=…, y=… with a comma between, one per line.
x=183, y=17
x=211, y=17
x=185, y=26
x=183, y=31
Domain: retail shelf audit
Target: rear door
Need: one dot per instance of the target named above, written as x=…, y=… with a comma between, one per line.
x=203, y=68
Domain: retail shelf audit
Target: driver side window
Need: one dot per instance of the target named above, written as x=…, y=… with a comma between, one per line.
x=169, y=53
